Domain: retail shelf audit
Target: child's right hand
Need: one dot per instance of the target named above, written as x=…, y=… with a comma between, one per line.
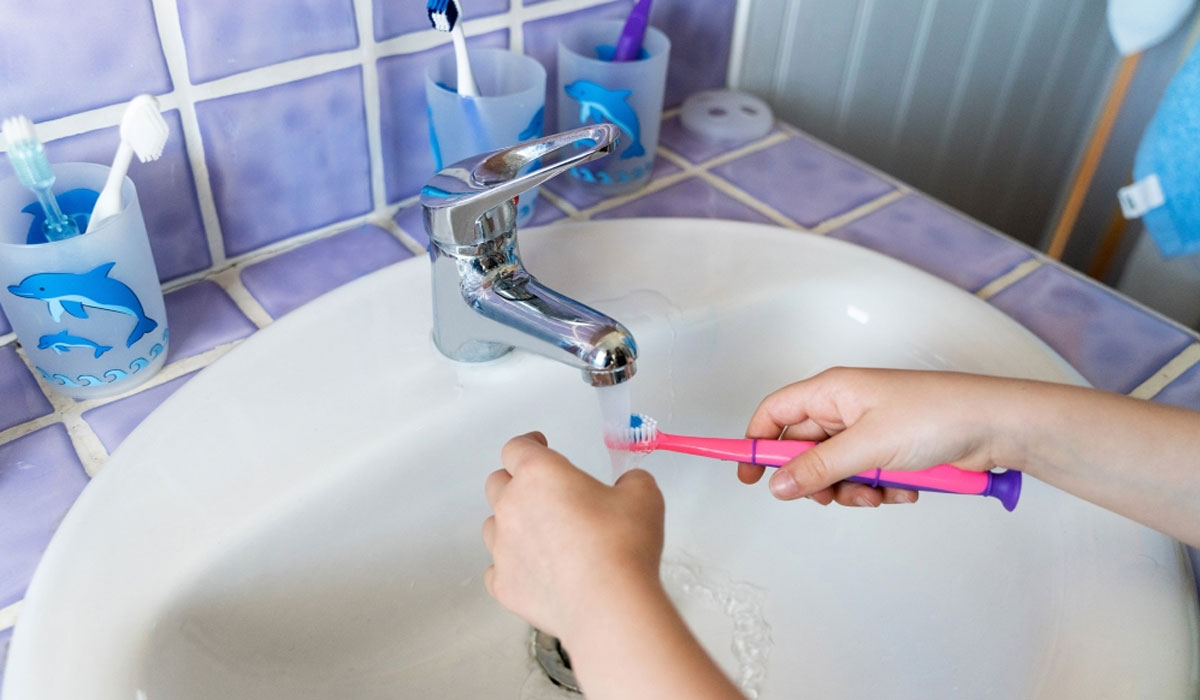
x=867, y=419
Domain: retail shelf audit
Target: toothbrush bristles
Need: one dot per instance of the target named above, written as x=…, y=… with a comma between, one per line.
x=443, y=14
x=638, y=436
x=143, y=127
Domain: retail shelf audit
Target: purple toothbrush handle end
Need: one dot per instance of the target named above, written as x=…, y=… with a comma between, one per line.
x=1006, y=487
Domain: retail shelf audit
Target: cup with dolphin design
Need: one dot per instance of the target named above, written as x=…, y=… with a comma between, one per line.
x=510, y=109
x=88, y=311
x=593, y=89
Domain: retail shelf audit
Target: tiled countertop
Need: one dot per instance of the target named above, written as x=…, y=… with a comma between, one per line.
x=50, y=447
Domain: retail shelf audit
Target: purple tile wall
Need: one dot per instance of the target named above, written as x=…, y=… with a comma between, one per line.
x=40, y=477
x=287, y=159
x=23, y=400
x=201, y=316
x=116, y=56
x=291, y=279
x=1184, y=391
x=692, y=197
x=229, y=36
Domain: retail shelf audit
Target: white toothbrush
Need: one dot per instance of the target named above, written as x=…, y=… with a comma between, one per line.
x=446, y=16
x=144, y=132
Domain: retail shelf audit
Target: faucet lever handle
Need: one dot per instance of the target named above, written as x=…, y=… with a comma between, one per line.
x=459, y=195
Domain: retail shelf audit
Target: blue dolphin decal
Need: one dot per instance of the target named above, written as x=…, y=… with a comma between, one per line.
x=534, y=129
x=64, y=341
x=63, y=291
x=601, y=104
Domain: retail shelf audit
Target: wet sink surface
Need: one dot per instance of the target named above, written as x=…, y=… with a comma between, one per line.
x=302, y=519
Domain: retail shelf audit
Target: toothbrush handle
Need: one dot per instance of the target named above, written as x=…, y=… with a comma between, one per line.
x=629, y=44
x=943, y=478
x=57, y=225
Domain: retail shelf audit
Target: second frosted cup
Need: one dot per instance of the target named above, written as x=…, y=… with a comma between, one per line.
x=509, y=110
x=593, y=89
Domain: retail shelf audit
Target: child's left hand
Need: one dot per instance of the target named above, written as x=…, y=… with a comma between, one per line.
x=564, y=544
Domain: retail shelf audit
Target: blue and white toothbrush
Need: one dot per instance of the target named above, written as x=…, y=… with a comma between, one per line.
x=446, y=16
x=29, y=160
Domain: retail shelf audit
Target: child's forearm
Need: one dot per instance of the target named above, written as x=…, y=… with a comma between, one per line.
x=635, y=645
x=1137, y=458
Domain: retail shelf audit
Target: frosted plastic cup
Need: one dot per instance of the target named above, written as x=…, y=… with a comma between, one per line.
x=88, y=310
x=510, y=109
x=629, y=94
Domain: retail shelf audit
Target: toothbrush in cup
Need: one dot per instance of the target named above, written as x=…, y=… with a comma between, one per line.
x=28, y=159
x=446, y=16
x=144, y=133
x=629, y=44
x=643, y=436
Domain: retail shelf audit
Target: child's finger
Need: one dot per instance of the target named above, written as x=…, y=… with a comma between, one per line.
x=495, y=483
x=489, y=532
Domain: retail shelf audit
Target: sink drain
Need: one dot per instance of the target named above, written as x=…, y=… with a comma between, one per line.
x=554, y=660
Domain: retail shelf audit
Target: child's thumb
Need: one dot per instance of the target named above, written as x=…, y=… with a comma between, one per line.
x=825, y=464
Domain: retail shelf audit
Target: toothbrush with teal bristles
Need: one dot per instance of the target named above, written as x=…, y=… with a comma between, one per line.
x=29, y=160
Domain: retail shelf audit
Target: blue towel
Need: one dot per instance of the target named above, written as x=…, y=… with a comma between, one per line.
x=1170, y=149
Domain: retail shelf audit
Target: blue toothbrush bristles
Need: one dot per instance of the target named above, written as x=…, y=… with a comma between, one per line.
x=641, y=432
x=443, y=14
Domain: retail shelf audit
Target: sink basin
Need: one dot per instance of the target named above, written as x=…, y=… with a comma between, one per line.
x=302, y=519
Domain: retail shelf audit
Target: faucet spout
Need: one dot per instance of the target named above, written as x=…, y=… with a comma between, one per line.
x=485, y=302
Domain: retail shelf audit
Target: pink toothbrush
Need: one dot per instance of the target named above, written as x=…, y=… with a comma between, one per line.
x=644, y=436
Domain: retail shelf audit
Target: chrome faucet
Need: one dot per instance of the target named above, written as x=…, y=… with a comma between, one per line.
x=484, y=301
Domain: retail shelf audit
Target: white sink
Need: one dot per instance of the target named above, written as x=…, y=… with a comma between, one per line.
x=302, y=519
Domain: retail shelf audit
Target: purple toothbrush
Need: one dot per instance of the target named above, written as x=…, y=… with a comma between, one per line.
x=629, y=45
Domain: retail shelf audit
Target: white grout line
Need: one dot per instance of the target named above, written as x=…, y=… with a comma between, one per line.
x=230, y=280
x=372, y=108
x=166, y=15
x=859, y=212
x=8, y=615
x=403, y=236
x=1169, y=373
x=1009, y=278
x=749, y=200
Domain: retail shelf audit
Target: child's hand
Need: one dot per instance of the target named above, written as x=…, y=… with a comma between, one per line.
x=564, y=544
x=867, y=419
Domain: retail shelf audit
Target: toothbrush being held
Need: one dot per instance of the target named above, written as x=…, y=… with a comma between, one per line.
x=29, y=160
x=143, y=132
x=446, y=16
x=643, y=436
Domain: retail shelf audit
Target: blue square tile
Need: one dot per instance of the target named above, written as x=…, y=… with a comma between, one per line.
x=201, y=316
x=291, y=279
x=23, y=399
x=804, y=181
x=691, y=198
x=112, y=53
x=114, y=421
x=40, y=478
x=395, y=18
x=166, y=191
x=1112, y=343
x=935, y=239
x=224, y=37
x=407, y=158
x=1184, y=391
x=287, y=159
